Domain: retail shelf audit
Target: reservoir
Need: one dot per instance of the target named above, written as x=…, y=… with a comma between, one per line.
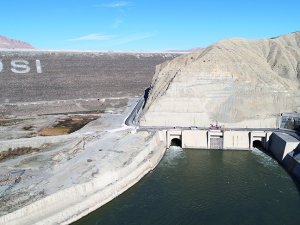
x=195, y=187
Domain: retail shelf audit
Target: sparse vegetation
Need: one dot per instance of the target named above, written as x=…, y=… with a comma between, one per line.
x=12, y=153
x=54, y=131
x=67, y=126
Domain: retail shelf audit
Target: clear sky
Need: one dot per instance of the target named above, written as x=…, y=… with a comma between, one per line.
x=144, y=25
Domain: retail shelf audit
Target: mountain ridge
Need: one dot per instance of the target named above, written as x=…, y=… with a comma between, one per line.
x=7, y=43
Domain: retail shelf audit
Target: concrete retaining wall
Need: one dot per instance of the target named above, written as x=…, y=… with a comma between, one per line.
x=281, y=144
x=194, y=139
x=236, y=140
x=286, y=150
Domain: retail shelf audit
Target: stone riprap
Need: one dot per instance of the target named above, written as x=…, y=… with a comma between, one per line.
x=42, y=76
x=237, y=82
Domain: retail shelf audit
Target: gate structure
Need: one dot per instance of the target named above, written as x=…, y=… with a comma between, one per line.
x=215, y=139
x=216, y=142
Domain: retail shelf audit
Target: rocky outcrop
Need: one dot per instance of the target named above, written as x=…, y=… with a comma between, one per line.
x=237, y=82
x=7, y=43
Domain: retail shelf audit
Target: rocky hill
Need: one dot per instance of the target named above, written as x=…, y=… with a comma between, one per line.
x=6, y=43
x=237, y=82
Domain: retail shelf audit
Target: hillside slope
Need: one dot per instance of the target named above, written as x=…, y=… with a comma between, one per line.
x=7, y=43
x=237, y=82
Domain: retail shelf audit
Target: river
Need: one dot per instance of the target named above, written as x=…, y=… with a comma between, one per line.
x=192, y=187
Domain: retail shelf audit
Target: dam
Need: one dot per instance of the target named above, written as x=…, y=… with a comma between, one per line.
x=45, y=82
x=93, y=165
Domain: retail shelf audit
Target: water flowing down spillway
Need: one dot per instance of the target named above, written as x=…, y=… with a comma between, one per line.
x=207, y=187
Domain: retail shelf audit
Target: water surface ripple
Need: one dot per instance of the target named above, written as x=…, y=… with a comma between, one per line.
x=195, y=187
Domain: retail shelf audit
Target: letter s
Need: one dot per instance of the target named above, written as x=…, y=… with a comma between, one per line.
x=20, y=66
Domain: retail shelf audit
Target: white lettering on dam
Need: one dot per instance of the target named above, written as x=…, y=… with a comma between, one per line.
x=38, y=66
x=20, y=66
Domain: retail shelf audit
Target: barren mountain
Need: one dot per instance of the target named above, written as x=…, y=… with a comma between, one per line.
x=237, y=82
x=185, y=51
x=13, y=44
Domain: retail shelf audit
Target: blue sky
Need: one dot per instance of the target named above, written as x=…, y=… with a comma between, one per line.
x=143, y=25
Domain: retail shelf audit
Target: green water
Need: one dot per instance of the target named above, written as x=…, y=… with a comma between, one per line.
x=206, y=187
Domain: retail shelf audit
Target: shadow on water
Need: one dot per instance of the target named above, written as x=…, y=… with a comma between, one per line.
x=296, y=182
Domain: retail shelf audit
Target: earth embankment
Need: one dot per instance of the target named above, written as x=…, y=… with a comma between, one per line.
x=39, y=76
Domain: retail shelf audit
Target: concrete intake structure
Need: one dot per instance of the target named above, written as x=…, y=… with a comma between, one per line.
x=217, y=139
x=283, y=144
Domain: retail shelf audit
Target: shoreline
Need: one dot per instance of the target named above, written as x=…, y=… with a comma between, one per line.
x=82, y=199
